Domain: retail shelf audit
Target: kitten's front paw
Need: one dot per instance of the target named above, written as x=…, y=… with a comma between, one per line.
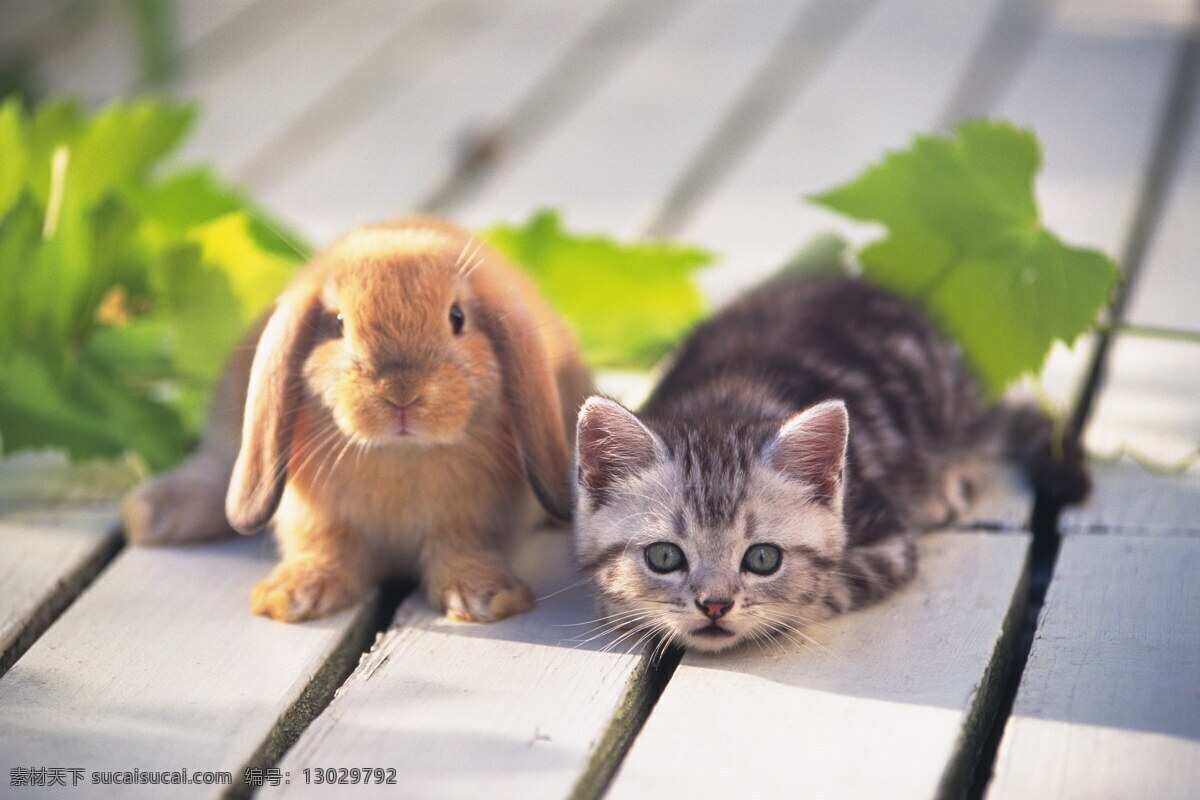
x=481, y=596
x=305, y=589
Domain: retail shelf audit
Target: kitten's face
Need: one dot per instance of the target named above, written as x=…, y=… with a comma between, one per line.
x=663, y=563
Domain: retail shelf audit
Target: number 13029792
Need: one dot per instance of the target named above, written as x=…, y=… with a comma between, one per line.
x=349, y=776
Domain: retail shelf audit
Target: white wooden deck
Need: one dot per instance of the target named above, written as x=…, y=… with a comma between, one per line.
x=707, y=121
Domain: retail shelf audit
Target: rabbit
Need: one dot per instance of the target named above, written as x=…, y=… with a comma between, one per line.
x=406, y=392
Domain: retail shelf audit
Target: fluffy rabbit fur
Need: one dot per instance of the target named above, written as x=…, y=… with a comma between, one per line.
x=407, y=391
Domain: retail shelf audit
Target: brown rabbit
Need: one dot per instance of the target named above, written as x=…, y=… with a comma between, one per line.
x=401, y=390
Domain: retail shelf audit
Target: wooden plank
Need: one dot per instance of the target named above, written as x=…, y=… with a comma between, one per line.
x=610, y=165
x=877, y=90
x=59, y=529
x=1092, y=92
x=245, y=107
x=100, y=59
x=196, y=19
x=46, y=560
x=1128, y=498
x=1108, y=706
x=1148, y=405
x=20, y=21
x=1147, y=416
x=1160, y=297
x=393, y=160
x=514, y=709
x=883, y=703
x=161, y=666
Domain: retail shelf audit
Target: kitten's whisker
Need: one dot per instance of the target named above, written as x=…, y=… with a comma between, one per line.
x=608, y=628
x=789, y=629
x=631, y=632
x=655, y=629
x=564, y=589
x=797, y=617
x=635, y=617
x=783, y=623
x=609, y=625
x=607, y=617
x=880, y=579
x=651, y=621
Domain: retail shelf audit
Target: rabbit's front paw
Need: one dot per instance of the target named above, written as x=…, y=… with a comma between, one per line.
x=481, y=595
x=305, y=589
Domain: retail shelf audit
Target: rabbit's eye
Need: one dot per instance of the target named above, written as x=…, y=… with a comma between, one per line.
x=457, y=318
x=333, y=324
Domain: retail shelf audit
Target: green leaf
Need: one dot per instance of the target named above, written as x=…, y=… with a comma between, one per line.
x=255, y=275
x=965, y=241
x=20, y=236
x=117, y=150
x=210, y=291
x=187, y=198
x=629, y=303
x=121, y=293
x=50, y=127
x=14, y=156
x=85, y=410
x=195, y=196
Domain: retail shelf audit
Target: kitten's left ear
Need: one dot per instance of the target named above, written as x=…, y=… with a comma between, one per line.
x=811, y=449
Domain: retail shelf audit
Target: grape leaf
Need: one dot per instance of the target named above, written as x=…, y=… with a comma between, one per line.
x=121, y=291
x=965, y=241
x=12, y=145
x=209, y=295
x=87, y=410
x=628, y=303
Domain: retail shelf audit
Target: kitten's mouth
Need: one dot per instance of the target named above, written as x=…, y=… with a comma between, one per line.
x=712, y=631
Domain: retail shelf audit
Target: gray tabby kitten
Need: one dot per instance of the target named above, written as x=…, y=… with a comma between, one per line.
x=783, y=467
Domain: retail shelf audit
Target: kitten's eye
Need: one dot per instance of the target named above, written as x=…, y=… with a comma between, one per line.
x=457, y=318
x=333, y=324
x=664, y=557
x=762, y=559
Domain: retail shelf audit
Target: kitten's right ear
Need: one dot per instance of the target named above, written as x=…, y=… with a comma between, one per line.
x=611, y=443
x=811, y=449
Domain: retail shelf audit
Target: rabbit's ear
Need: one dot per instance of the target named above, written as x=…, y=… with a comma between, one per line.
x=530, y=389
x=273, y=400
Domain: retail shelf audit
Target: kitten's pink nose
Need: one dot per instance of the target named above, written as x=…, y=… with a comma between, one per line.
x=715, y=609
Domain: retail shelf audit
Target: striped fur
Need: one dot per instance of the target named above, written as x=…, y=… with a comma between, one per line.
x=707, y=475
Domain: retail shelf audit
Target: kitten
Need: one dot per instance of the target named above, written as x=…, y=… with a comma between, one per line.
x=781, y=470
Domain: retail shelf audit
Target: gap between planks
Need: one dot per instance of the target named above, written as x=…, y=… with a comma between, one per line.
x=65, y=550
x=1168, y=137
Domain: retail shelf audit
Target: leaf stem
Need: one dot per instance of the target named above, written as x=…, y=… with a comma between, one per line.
x=1150, y=331
x=58, y=175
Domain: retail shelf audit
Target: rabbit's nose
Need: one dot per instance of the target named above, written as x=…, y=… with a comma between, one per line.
x=400, y=391
x=401, y=408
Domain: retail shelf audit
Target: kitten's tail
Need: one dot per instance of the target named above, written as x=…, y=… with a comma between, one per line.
x=1051, y=457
